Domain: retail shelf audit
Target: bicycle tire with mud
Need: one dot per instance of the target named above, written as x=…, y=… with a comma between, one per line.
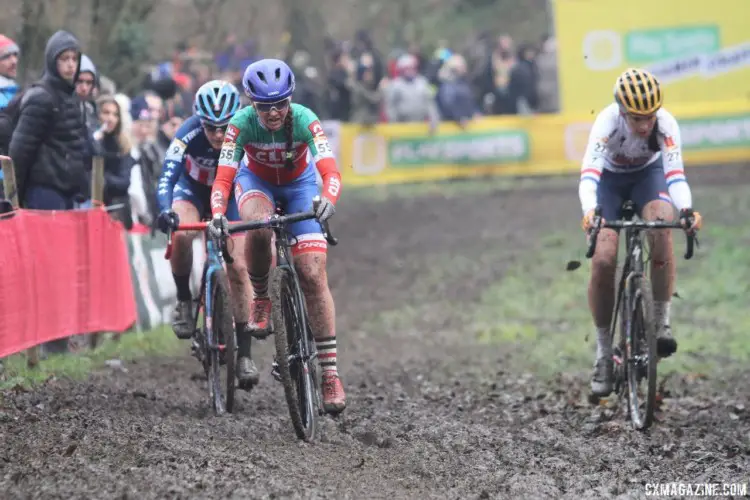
x=224, y=329
x=642, y=316
x=282, y=278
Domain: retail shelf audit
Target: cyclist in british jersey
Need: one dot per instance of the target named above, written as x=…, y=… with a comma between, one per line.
x=282, y=144
x=184, y=193
x=634, y=153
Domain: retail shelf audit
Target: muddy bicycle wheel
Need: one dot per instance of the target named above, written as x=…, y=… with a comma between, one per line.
x=640, y=357
x=220, y=359
x=296, y=373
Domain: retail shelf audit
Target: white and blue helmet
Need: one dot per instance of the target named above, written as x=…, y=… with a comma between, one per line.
x=216, y=102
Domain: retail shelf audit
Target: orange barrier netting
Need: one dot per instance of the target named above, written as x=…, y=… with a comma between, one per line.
x=62, y=273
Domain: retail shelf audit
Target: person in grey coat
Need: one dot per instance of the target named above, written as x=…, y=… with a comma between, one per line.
x=409, y=97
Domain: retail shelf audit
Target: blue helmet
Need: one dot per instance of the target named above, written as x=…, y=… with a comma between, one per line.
x=216, y=102
x=268, y=80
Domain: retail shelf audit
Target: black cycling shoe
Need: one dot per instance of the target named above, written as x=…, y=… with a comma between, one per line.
x=247, y=373
x=602, y=378
x=666, y=345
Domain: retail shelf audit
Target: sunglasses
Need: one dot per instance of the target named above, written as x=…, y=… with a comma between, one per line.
x=211, y=129
x=266, y=107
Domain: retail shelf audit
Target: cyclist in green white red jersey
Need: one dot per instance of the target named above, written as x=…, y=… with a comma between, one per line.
x=282, y=145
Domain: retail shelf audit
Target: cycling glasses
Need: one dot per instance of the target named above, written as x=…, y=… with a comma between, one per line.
x=213, y=128
x=266, y=107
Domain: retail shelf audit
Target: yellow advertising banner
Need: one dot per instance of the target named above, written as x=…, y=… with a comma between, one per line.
x=699, y=49
x=520, y=145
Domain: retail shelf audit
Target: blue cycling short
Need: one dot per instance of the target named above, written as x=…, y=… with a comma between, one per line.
x=293, y=197
x=641, y=187
x=199, y=195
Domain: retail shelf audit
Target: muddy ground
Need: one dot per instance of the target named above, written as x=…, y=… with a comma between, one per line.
x=432, y=413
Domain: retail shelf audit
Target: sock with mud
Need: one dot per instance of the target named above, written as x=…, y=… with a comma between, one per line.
x=603, y=342
x=243, y=341
x=260, y=286
x=183, y=287
x=661, y=312
x=327, y=354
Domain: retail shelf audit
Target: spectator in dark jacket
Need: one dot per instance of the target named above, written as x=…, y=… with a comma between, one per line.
x=49, y=141
x=455, y=97
x=339, y=86
x=524, y=78
x=86, y=84
x=115, y=145
x=367, y=94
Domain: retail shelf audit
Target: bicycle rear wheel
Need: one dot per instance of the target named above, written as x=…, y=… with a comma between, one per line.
x=640, y=355
x=296, y=368
x=222, y=337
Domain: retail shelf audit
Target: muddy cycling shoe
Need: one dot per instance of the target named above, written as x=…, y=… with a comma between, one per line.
x=182, y=321
x=247, y=373
x=601, y=380
x=334, y=398
x=259, y=325
x=666, y=345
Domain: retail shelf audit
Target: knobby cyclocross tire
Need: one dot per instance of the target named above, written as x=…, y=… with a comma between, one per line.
x=223, y=325
x=288, y=320
x=643, y=343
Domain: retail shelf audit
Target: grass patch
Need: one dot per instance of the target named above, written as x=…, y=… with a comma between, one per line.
x=160, y=341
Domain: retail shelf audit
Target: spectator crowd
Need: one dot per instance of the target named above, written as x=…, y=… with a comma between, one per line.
x=54, y=126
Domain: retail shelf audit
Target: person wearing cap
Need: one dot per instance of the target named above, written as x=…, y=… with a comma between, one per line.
x=8, y=70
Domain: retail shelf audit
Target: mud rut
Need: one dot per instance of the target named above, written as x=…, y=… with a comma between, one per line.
x=431, y=413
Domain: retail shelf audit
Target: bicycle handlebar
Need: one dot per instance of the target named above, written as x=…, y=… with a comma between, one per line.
x=239, y=227
x=641, y=224
x=195, y=226
x=281, y=220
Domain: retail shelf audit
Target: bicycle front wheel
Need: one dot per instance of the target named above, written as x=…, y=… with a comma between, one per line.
x=221, y=344
x=294, y=364
x=641, y=357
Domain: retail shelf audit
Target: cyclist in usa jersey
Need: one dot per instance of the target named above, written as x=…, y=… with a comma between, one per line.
x=184, y=194
x=634, y=153
x=282, y=144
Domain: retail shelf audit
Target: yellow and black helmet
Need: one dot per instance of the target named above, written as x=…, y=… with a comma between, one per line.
x=638, y=92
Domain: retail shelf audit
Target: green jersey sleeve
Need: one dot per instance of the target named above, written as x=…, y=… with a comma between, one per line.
x=309, y=130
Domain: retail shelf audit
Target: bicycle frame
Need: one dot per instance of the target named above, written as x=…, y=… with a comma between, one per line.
x=214, y=261
x=632, y=268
